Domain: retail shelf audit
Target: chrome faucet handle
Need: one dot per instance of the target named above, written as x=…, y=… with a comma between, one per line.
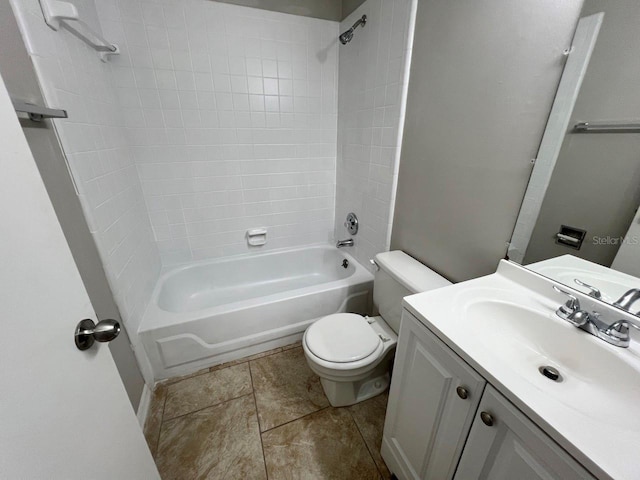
x=572, y=305
x=594, y=292
x=622, y=324
x=619, y=332
x=571, y=311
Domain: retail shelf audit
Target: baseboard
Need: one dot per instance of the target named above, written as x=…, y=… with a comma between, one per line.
x=143, y=406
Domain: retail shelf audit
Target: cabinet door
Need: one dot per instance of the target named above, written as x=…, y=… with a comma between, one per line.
x=427, y=420
x=510, y=446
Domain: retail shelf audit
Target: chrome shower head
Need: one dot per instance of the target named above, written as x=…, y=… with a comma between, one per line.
x=348, y=35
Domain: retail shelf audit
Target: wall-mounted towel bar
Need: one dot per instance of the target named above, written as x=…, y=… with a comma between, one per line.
x=58, y=13
x=37, y=113
x=625, y=126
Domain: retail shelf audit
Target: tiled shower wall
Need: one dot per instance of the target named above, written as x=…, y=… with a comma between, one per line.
x=232, y=114
x=372, y=89
x=218, y=118
x=96, y=143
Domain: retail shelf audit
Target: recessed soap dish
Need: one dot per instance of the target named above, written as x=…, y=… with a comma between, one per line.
x=257, y=237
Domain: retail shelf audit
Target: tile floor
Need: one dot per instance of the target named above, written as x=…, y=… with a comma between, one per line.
x=261, y=417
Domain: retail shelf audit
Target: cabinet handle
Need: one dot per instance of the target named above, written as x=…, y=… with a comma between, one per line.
x=486, y=418
x=462, y=393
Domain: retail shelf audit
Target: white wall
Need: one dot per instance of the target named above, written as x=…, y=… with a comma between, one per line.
x=233, y=116
x=372, y=92
x=96, y=144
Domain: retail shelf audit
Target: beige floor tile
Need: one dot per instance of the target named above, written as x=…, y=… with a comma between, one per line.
x=154, y=417
x=324, y=445
x=369, y=417
x=219, y=442
x=205, y=390
x=285, y=388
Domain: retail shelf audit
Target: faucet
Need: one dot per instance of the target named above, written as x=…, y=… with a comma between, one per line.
x=345, y=243
x=615, y=334
x=628, y=299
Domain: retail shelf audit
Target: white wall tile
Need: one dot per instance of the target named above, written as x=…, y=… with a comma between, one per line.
x=372, y=87
x=225, y=92
x=218, y=118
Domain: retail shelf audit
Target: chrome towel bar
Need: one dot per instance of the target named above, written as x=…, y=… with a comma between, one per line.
x=59, y=14
x=607, y=126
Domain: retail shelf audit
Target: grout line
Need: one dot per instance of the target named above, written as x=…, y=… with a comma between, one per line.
x=365, y=442
x=208, y=406
x=255, y=404
x=299, y=418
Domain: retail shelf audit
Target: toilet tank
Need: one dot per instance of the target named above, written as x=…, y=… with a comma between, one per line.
x=400, y=275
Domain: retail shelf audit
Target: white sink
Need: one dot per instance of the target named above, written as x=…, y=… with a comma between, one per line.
x=594, y=374
x=505, y=326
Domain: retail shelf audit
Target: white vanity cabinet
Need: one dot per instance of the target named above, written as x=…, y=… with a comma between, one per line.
x=433, y=399
x=435, y=431
x=504, y=445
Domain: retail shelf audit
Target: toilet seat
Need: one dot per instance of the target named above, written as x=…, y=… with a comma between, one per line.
x=344, y=339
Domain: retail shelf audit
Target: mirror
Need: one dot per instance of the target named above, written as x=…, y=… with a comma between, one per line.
x=579, y=222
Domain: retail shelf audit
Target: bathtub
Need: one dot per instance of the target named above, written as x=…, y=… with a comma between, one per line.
x=211, y=312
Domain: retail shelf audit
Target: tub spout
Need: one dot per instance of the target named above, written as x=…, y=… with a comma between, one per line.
x=345, y=243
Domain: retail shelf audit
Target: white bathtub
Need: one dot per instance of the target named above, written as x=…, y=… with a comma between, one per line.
x=212, y=312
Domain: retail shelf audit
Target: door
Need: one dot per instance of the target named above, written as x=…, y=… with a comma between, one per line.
x=505, y=445
x=434, y=396
x=64, y=412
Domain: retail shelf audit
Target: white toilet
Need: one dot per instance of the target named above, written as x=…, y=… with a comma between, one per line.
x=353, y=354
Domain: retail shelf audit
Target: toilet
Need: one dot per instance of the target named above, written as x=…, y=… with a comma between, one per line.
x=353, y=354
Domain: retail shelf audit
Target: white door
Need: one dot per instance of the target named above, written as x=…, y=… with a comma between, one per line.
x=433, y=398
x=64, y=413
x=506, y=445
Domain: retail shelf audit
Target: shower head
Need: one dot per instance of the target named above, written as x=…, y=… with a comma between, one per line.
x=348, y=35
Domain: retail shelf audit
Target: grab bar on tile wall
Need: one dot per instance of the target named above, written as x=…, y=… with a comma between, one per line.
x=625, y=126
x=58, y=13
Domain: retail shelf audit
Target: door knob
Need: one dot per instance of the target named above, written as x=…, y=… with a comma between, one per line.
x=87, y=332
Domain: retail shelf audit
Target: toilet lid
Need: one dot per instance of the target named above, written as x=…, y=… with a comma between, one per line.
x=342, y=338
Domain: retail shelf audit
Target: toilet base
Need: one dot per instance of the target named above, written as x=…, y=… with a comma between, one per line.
x=345, y=393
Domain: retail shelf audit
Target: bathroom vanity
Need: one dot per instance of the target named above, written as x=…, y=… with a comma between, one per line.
x=490, y=383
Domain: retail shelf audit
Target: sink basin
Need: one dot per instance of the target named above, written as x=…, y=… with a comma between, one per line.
x=594, y=375
x=505, y=327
